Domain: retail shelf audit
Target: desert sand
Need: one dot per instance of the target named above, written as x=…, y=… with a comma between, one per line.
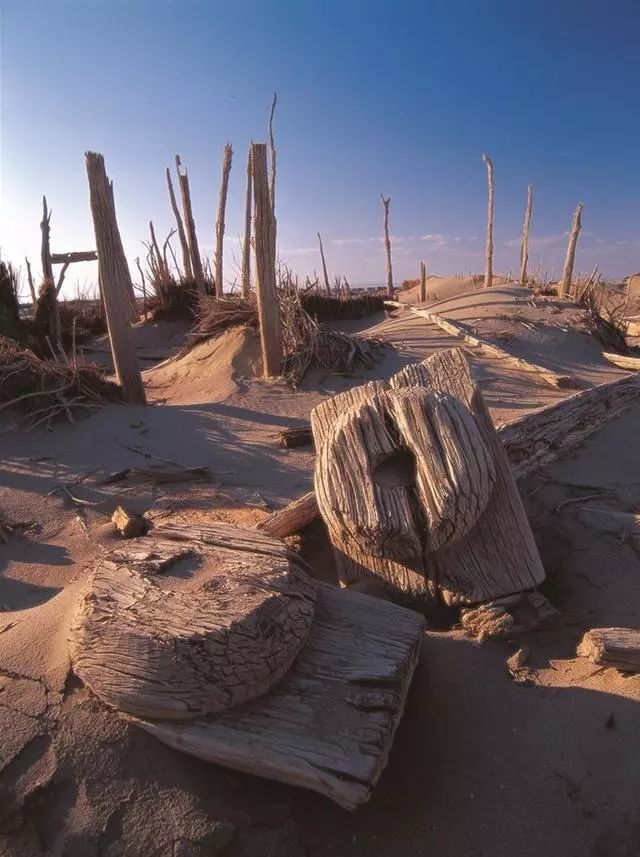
x=482, y=764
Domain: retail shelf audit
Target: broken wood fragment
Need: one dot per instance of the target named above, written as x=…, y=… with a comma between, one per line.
x=129, y=524
x=612, y=647
x=623, y=361
x=296, y=436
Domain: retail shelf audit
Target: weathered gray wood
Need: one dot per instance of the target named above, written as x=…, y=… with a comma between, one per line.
x=48, y=283
x=184, y=246
x=567, y=273
x=387, y=244
x=32, y=287
x=220, y=222
x=612, y=647
x=190, y=227
x=114, y=279
x=325, y=274
x=246, y=244
x=74, y=256
x=488, y=274
x=524, y=249
x=486, y=553
x=266, y=292
x=222, y=638
x=422, y=296
x=293, y=517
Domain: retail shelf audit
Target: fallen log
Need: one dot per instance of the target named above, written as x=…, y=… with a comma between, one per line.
x=327, y=725
x=531, y=442
x=612, y=647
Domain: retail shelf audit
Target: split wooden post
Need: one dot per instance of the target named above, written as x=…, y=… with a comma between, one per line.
x=190, y=227
x=325, y=274
x=220, y=225
x=524, y=250
x=186, y=256
x=423, y=283
x=246, y=246
x=115, y=280
x=488, y=274
x=264, y=228
x=48, y=283
x=567, y=274
x=387, y=244
x=32, y=287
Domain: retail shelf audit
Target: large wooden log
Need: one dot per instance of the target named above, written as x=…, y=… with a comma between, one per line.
x=329, y=723
x=448, y=522
x=612, y=647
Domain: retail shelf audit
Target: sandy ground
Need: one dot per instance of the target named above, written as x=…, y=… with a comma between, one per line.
x=481, y=765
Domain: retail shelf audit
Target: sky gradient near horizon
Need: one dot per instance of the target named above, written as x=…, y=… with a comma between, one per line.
x=401, y=98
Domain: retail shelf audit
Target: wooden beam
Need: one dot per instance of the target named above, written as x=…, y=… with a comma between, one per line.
x=488, y=273
x=75, y=256
x=220, y=224
x=524, y=249
x=567, y=273
x=115, y=280
x=264, y=230
x=387, y=244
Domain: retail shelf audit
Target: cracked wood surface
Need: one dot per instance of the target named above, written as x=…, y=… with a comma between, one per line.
x=612, y=647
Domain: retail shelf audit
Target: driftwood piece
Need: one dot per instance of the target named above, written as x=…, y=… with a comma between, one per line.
x=328, y=724
x=451, y=523
x=456, y=328
x=218, y=642
x=264, y=238
x=190, y=227
x=488, y=275
x=622, y=361
x=567, y=273
x=531, y=442
x=524, y=249
x=612, y=647
x=386, y=201
x=220, y=222
x=74, y=256
x=114, y=279
x=246, y=244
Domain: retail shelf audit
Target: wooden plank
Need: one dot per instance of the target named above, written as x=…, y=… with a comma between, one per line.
x=612, y=647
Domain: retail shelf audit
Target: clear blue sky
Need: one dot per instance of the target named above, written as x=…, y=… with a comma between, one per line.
x=397, y=97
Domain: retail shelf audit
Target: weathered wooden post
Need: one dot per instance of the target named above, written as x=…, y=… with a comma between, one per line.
x=264, y=227
x=114, y=279
x=222, y=205
x=488, y=274
x=423, y=283
x=567, y=274
x=387, y=244
x=524, y=250
x=246, y=245
x=32, y=287
x=190, y=227
x=325, y=274
x=186, y=256
x=48, y=283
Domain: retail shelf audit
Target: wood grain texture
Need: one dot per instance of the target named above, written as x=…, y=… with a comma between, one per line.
x=612, y=647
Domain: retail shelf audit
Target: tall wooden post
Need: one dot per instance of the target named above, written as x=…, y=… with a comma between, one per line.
x=190, y=227
x=524, y=250
x=186, y=256
x=264, y=227
x=488, y=274
x=32, y=287
x=222, y=205
x=114, y=279
x=48, y=283
x=387, y=244
x=423, y=283
x=246, y=246
x=325, y=274
x=567, y=274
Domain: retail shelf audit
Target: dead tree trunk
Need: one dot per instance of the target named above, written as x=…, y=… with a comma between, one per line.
x=524, y=250
x=190, y=227
x=327, y=285
x=186, y=256
x=246, y=246
x=115, y=280
x=423, y=283
x=272, y=151
x=567, y=274
x=48, y=283
x=387, y=244
x=220, y=224
x=61, y=277
x=264, y=228
x=32, y=287
x=488, y=274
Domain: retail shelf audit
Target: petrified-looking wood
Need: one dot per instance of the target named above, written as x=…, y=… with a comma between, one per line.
x=190, y=227
x=612, y=647
x=246, y=244
x=531, y=442
x=387, y=244
x=567, y=274
x=329, y=723
x=224, y=637
x=184, y=246
x=114, y=278
x=488, y=274
x=415, y=487
x=267, y=295
x=74, y=256
x=524, y=250
x=220, y=225
x=422, y=297
x=458, y=329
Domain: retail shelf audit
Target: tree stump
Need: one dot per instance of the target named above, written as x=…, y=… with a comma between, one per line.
x=247, y=663
x=415, y=487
